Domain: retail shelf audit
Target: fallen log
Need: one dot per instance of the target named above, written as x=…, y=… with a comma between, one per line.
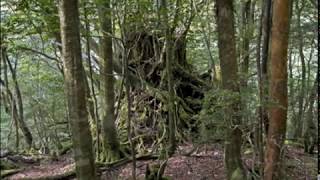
x=8, y=172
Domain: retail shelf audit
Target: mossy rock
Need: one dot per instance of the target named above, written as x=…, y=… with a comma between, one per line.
x=7, y=164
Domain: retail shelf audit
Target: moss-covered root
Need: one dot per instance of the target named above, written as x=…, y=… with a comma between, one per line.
x=237, y=175
x=7, y=172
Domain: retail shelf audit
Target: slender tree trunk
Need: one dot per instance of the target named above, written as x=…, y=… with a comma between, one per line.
x=259, y=133
x=129, y=127
x=169, y=63
x=171, y=110
x=310, y=132
x=207, y=39
x=298, y=123
x=95, y=101
x=278, y=89
x=110, y=138
x=247, y=33
x=17, y=104
x=266, y=28
x=8, y=99
x=75, y=89
x=244, y=64
x=11, y=108
x=228, y=61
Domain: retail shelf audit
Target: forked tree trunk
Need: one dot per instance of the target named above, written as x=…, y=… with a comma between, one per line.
x=16, y=99
x=76, y=89
x=277, y=89
x=229, y=72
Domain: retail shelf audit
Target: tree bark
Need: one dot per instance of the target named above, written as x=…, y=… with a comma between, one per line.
x=228, y=61
x=76, y=89
x=95, y=101
x=266, y=28
x=110, y=139
x=298, y=123
x=247, y=33
x=310, y=132
x=169, y=63
x=277, y=89
x=259, y=132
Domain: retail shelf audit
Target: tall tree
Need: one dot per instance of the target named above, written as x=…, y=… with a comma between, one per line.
x=277, y=89
x=261, y=111
x=266, y=28
x=309, y=131
x=169, y=45
x=16, y=98
x=230, y=82
x=110, y=140
x=298, y=122
x=76, y=89
x=94, y=100
x=246, y=36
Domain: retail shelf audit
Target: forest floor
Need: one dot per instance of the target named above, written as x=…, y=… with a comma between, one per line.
x=204, y=164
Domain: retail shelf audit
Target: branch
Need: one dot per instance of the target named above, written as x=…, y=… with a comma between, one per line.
x=38, y=52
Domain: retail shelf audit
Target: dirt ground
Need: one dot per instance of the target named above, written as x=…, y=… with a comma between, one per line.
x=204, y=164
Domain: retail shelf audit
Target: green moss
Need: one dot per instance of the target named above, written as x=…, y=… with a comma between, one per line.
x=8, y=172
x=237, y=175
x=5, y=165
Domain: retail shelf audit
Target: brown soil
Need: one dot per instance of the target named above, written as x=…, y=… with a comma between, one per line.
x=204, y=164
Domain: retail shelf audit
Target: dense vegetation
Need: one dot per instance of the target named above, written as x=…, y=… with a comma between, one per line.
x=115, y=82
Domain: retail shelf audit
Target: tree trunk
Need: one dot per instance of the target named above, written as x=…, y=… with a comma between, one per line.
x=259, y=132
x=245, y=52
x=277, y=89
x=169, y=63
x=129, y=114
x=228, y=61
x=95, y=101
x=266, y=27
x=247, y=33
x=110, y=139
x=310, y=132
x=16, y=101
x=76, y=89
x=298, y=123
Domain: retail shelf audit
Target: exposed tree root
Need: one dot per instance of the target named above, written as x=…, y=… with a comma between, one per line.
x=7, y=172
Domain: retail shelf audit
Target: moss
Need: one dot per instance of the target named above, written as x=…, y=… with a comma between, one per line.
x=237, y=175
x=8, y=172
x=4, y=165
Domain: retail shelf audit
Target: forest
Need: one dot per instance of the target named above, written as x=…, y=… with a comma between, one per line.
x=159, y=89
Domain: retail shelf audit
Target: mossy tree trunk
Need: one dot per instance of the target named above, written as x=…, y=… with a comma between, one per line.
x=76, y=89
x=169, y=45
x=277, y=89
x=110, y=140
x=230, y=82
x=94, y=102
